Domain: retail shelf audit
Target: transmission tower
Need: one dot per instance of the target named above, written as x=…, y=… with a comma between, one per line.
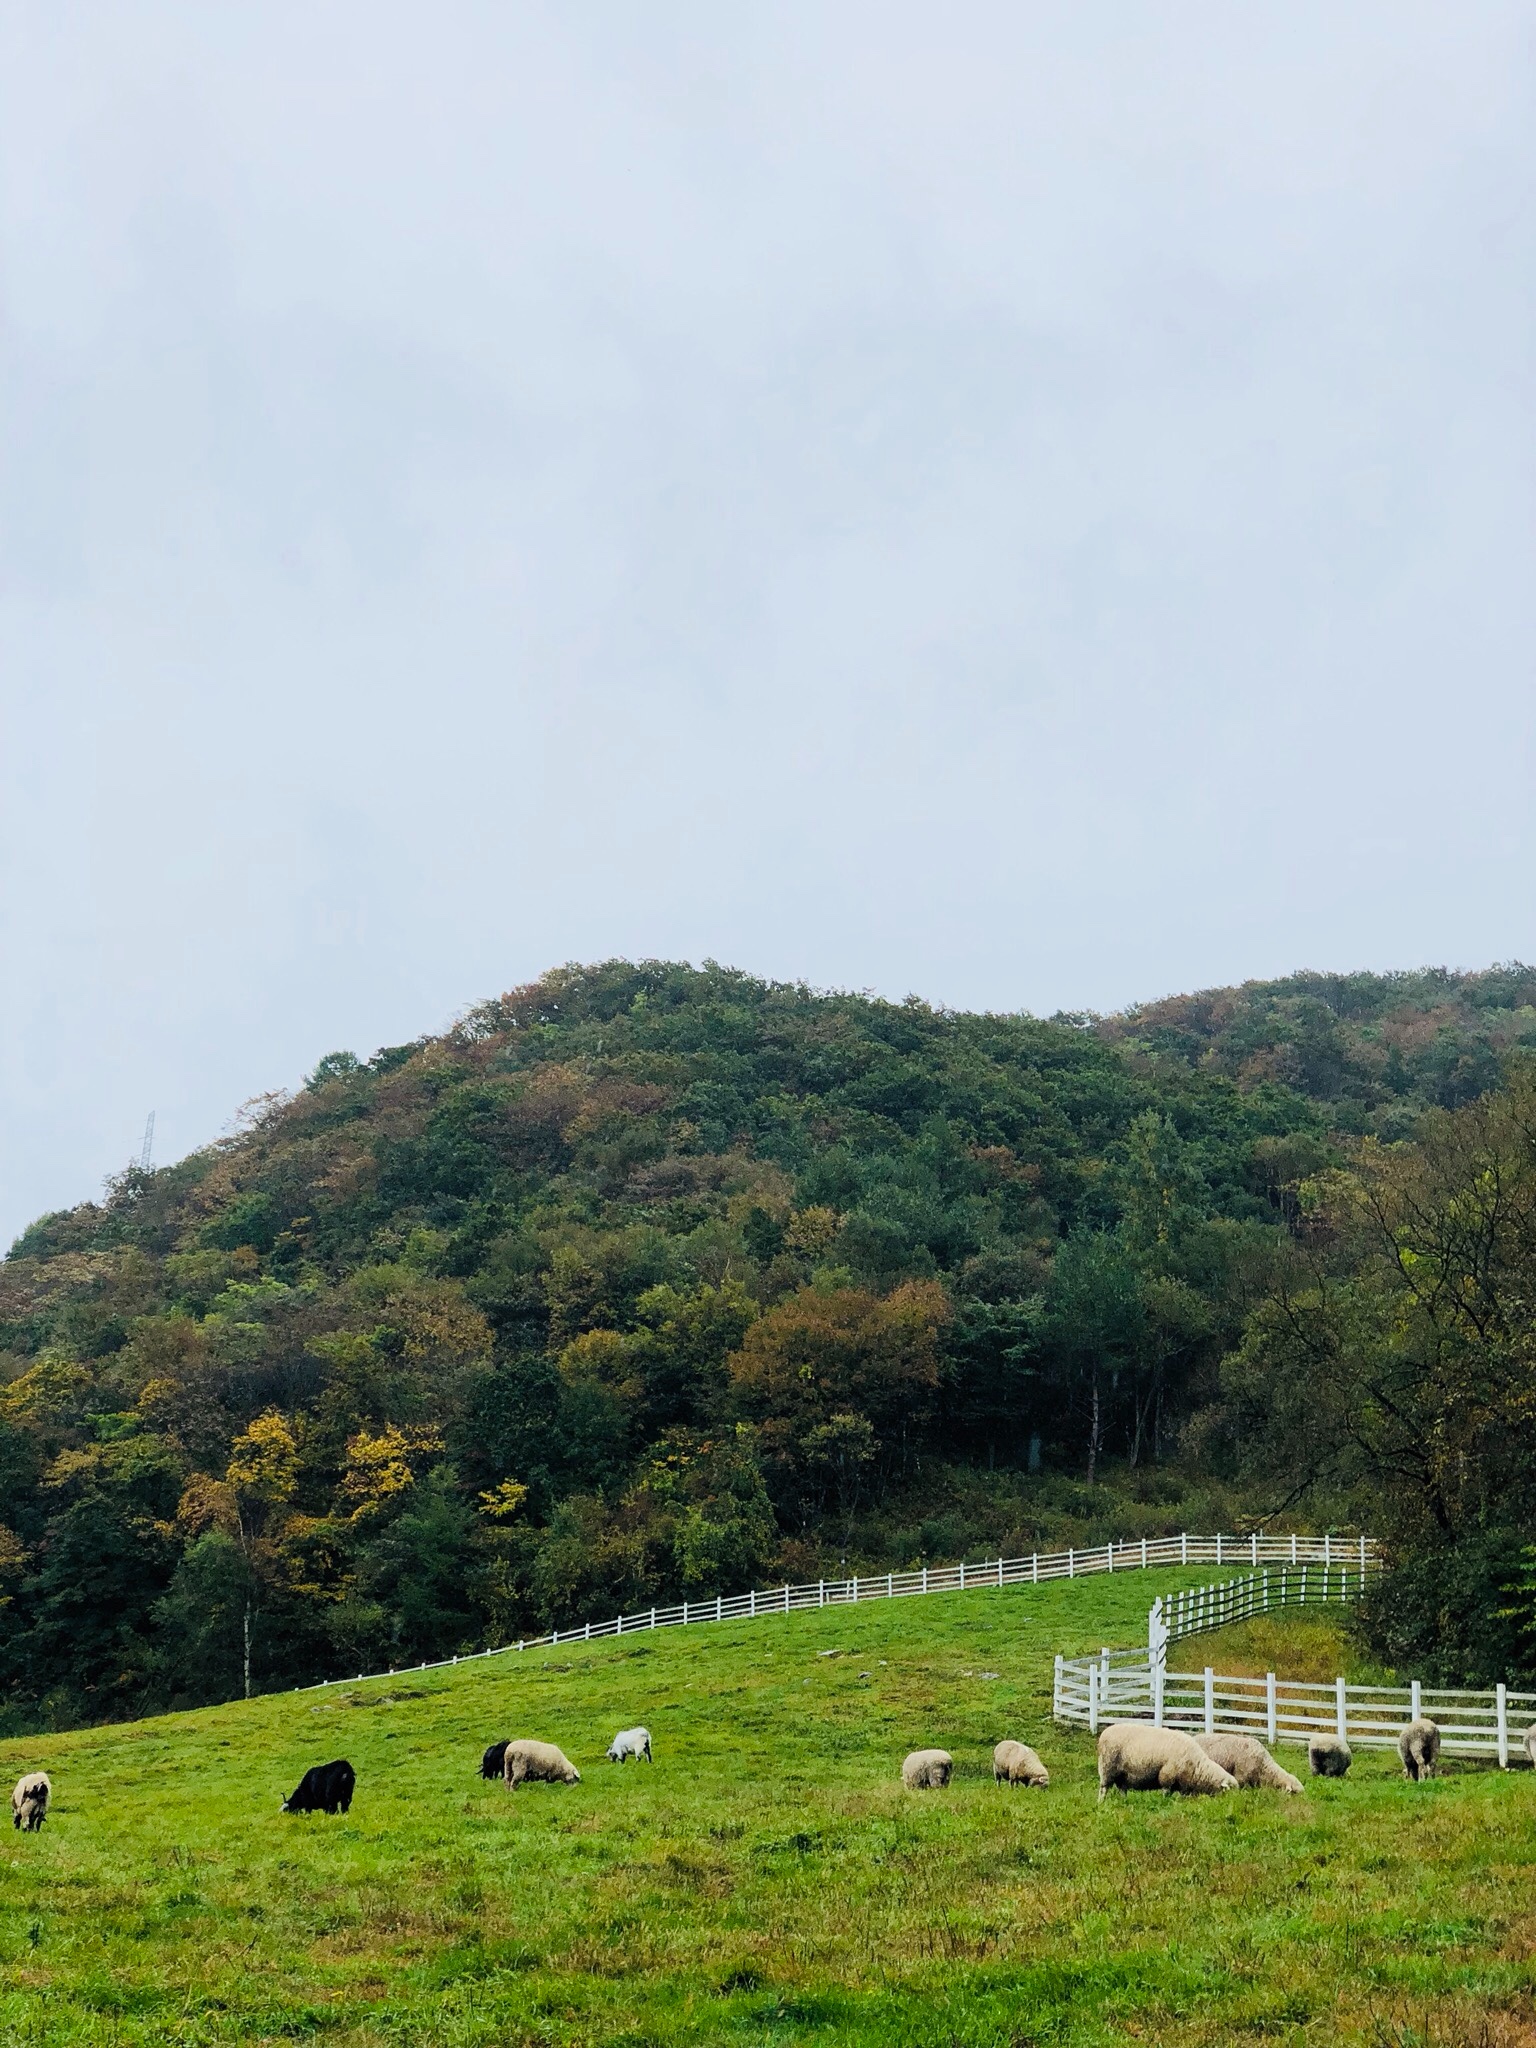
x=147, y=1152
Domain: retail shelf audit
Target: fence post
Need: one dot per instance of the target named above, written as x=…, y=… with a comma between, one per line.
x=925, y=1578
x=1071, y=1562
x=1093, y=1697
x=1056, y=1691
x=1109, y=1552
x=1343, y=1707
x=1362, y=1563
x=1503, y=1700
x=1210, y=1701
x=1034, y=1567
x=1415, y=1698
x=1270, y=1706
x=1218, y=1547
x=1293, y=1548
x=1255, y=1546
x=999, y=1571
x=1143, y=1553
x=890, y=1585
x=1157, y=1692
x=1327, y=1557
x=962, y=1575
x=821, y=1592
x=1184, y=1549
x=653, y=1617
x=751, y=1605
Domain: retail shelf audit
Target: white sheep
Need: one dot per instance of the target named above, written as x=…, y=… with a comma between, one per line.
x=537, y=1762
x=1419, y=1748
x=1015, y=1763
x=1135, y=1756
x=29, y=1801
x=630, y=1742
x=927, y=1770
x=1249, y=1762
x=1329, y=1756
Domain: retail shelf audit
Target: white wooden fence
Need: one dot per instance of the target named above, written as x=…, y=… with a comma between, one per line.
x=1132, y=1554
x=1135, y=1685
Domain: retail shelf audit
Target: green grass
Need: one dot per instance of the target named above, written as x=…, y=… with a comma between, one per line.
x=768, y=1881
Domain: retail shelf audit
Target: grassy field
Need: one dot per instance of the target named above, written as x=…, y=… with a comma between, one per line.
x=768, y=1881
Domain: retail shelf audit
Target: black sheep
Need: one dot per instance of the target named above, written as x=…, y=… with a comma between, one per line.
x=324, y=1788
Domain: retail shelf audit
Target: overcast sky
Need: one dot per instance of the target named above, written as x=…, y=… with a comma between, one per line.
x=1029, y=504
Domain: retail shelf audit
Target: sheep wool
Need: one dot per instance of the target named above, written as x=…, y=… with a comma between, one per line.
x=927, y=1770
x=1419, y=1748
x=1015, y=1763
x=1329, y=1756
x=29, y=1801
x=527, y=1762
x=1249, y=1762
x=1135, y=1756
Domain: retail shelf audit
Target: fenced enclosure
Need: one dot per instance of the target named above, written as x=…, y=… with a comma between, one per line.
x=1136, y=1553
x=1195, y=1609
x=1135, y=1685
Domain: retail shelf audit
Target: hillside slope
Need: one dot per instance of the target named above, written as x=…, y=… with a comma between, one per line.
x=639, y=1281
x=766, y=1880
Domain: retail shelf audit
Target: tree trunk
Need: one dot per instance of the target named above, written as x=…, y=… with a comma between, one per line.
x=1093, y=1433
x=247, y=1661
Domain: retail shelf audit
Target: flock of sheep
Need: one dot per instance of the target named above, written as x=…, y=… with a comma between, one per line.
x=1134, y=1756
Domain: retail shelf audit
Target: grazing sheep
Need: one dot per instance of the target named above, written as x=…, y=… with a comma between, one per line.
x=1329, y=1756
x=630, y=1742
x=324, y=1788
x=1249, y=1762
x=1015, y=1763
x=1135, y=1756
x=29, y=1802
x=1419, y=1748
x=927, y=1770
x=491, y=1762
x=526, y=1761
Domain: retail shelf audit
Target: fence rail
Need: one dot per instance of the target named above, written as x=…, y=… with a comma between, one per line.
x=1135, y=1685
x=1142, y=1553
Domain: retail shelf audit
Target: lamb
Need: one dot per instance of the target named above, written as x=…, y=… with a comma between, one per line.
x=1135, y=1756
x=1419, y=1748
x=1015, y=1763
x=29, y=1801
x=1249, y=1762
x=491, y=1762
x=526, y=1761
x=927, y=1770
x=1329, y=1756
x=630, y=1742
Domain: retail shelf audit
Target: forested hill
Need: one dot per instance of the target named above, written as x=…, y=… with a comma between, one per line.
x=646, y=1279
x=1375, y=1048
